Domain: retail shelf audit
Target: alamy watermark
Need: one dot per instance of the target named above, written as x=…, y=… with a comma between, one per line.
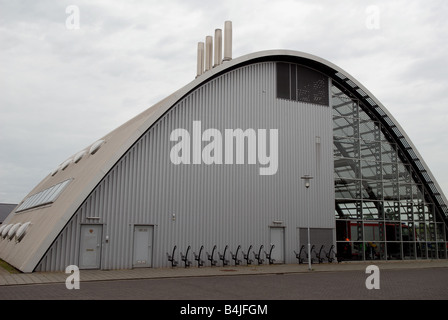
x=373, y=280
x=72, y=281
x=72, y=22
x=373, y=17
x=227, y=148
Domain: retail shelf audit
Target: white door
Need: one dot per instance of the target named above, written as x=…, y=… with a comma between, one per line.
x=278, y=240
x=90, y=249
x=143, y=236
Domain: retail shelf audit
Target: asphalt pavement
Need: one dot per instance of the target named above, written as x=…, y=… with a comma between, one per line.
x=7, y=278
x=254, y=291
x=402, y=274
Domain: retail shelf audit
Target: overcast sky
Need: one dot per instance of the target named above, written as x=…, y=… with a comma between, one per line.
x=66, y=82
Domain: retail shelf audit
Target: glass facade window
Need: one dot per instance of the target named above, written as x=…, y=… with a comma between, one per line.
x=381, y=209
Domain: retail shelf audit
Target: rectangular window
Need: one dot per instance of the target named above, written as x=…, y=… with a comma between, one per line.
x=299, y=83
x=283, y=81
x=312, y=86
x=43, y=197
x=293, y=82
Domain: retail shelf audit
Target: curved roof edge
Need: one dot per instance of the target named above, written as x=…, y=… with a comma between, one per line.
x=398, y=134
x=352, y=85
x=120, y=140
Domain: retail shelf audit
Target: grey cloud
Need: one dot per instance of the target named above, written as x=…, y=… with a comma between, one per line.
x=63, y=89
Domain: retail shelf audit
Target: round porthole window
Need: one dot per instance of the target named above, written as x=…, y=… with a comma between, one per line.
x=6, y=230
x=1, y=229
x=54, y=171
x=13, y=230
x=66, y=163
x=20, y=233
x=96, y=146
x=79, y=156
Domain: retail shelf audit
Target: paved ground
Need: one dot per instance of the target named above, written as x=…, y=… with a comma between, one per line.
x=7, y=279
x=395, y=284
x=274, y=291
x=407, y=272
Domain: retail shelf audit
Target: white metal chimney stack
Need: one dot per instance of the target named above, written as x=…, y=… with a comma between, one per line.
x=218, y=47
x=213, y=54
x=227, y=41
x=208, y=52
x=200, y=63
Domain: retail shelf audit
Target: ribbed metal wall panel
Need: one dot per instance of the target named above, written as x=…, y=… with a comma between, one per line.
x=213, y=204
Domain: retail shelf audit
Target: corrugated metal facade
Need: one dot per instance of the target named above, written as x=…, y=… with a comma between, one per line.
x=218, y=204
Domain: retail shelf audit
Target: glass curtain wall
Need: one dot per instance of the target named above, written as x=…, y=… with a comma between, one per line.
x=382, y=211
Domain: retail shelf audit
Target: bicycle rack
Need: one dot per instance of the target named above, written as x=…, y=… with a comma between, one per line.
x=258, y=256
x=246, y=256
x=299, y=255
x=235, y=256
x=197, y=257
x=311, y=253
x=319, y=257
x=330, y=258
x=171, y=257
x=222, y=257
x=269, y=255
x=210, y=257
x=184, y=258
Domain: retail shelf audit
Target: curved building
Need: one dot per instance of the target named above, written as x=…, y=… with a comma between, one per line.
x=244, y=160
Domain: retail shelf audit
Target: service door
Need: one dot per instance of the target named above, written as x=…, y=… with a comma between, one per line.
x=278, y=240
x=90, y=249
x=143, y=236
